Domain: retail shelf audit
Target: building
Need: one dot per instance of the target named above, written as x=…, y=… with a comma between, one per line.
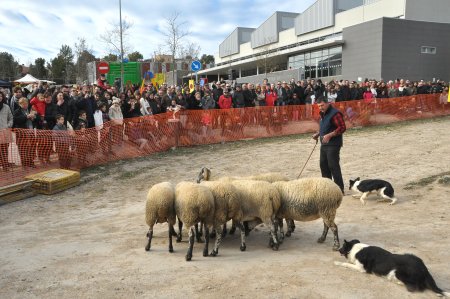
x=337, y=39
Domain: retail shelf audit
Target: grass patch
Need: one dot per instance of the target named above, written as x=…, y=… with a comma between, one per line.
x=441, y=177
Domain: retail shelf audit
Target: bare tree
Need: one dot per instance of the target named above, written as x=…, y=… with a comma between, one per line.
x=265, y=58
x=190, y=52
x=83, y=55
x=174, y=34
x=111, y=37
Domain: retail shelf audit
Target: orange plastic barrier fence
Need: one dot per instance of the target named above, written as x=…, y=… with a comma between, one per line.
x=29, y=151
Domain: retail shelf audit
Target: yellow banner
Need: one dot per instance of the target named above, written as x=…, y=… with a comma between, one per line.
x=191, y=85
x=158, y=79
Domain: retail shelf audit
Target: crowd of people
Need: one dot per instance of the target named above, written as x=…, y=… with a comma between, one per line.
x=79, y=107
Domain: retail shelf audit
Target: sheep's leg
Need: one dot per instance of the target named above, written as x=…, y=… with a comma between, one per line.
x=171, y=232
x=213, y=234
x=180, y=229
x=247, y=228
x=224, y=230
x=233, y=227
x=330, y=224
x=334, y=229
x=242, y=229
x=324, y=233
x=280, y=225
x=205, y=250
x=149, y=236
x=274, y=243
x=191, y=243
x=290, y=227
x=215, y=251
x=292, y=224
x=199, y=233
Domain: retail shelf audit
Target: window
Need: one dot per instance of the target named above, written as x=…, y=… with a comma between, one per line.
x=428, y=50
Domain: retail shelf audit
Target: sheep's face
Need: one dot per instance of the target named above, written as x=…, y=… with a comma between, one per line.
x=204, y=174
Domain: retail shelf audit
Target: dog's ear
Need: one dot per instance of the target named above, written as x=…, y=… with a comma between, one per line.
x=356, y=241
x=358, y=179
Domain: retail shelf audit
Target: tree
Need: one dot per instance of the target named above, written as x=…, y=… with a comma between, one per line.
x=39, y=70
x=84, y=56
x=111, y=37
x=135, y=56
x=8, y=66
x=267, y=61
x=62, y=67
x=207, y=59
x=110, y=58
x=190, y=52
x=174, y=35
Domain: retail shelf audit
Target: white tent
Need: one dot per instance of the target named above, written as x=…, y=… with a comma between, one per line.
x=27, y=79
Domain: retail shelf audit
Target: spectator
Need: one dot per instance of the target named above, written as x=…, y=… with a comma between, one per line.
x=225, y=100
x=238, y=98
x=62, y=142
x=6, y=122
x=14, y=101
x=208, y=101
x=116, y=116
x=24, y=119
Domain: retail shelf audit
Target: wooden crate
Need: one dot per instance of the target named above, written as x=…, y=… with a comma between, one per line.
x=16, y=192
x=54, y=181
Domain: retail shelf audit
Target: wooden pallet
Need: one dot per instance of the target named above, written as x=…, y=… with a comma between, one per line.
x=17, y=191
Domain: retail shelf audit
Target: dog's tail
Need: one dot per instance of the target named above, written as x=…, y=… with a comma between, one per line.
x=431, y=285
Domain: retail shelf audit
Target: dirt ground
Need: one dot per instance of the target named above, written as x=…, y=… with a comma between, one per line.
x=88, y=242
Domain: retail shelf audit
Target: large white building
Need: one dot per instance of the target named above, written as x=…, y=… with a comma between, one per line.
x=336, y=39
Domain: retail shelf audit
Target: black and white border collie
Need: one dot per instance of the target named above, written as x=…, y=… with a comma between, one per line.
x=405, y=269
x=365, y=187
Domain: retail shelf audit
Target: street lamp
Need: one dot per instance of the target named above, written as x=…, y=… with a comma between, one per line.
x=121, y=46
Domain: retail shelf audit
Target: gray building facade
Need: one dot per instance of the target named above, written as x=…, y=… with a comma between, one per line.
x=389, y=48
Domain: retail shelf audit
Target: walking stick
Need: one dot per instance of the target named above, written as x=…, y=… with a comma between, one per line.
x=308, y=158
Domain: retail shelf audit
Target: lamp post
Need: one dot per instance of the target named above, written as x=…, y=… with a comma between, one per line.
x=121, y=46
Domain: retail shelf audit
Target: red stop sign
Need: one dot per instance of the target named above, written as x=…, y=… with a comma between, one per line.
x=102, y=67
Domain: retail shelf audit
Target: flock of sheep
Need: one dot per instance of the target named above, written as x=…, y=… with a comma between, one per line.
x=266, y=198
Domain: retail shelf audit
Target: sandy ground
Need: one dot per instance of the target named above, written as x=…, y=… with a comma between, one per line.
x=88, y=242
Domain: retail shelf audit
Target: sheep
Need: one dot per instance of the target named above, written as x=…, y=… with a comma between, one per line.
x=159, y=208
x=309, y=199
x=205, y=174
x=194, y=203
x=227, y=206
x=260, y=201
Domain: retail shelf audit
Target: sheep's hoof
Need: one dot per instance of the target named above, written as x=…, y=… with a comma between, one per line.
x=320, y=240
x=213, y=253
x=243, y=247
x=179, y=238
x=188, y=257
x=147, y=248
x=271, y=243
x=275, y=247
x=170, y=249
x=288, y=234
x=205, y=252
x=336, y=247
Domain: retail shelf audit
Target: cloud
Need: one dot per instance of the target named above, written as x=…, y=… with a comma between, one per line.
x=39, y=28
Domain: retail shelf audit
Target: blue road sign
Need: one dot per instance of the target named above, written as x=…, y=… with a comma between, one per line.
x=196, y=66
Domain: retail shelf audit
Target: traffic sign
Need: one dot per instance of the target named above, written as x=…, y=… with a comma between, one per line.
x=196, y=66
x=103, y=67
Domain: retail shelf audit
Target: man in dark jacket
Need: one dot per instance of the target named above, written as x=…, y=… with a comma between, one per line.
x=238, y=98
x=332, y=126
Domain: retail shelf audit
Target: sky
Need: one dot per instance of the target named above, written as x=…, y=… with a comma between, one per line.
x=38, y=28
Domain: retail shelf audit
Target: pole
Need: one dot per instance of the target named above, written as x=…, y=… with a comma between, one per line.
x=121, y=46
